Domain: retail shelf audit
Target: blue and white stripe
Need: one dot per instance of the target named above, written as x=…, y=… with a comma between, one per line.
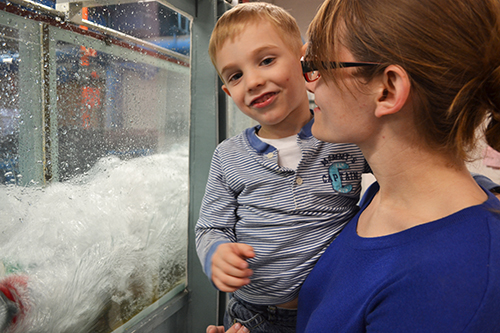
x=288, y=216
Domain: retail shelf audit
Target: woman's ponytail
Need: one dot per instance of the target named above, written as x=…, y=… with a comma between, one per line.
x=492, y=89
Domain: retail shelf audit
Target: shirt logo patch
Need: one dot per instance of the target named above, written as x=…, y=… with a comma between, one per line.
x=333, y=172
x=339, y=171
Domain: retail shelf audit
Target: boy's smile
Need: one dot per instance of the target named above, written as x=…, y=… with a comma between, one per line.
x=263, y=100
x=264, y=78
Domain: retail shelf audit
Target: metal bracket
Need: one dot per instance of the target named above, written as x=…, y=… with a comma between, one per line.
x=72, y=10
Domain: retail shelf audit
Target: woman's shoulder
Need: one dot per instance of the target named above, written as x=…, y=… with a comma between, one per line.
x=453, y=273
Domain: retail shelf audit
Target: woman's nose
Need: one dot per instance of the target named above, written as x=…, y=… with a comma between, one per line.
x=310, y=86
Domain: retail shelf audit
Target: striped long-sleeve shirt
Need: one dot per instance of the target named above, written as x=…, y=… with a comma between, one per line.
x=288, y=216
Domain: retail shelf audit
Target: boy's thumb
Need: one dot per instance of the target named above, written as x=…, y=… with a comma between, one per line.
x=245, y=250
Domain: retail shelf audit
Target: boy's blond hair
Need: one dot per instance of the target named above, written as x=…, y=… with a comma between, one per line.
x=234, y=21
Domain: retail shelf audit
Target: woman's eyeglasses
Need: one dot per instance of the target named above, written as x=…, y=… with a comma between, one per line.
x=311, y=73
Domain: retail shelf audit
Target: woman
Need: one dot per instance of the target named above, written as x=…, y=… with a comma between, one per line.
x=417, y=257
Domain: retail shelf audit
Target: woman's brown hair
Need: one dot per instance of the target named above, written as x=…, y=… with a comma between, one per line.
x=449, y=48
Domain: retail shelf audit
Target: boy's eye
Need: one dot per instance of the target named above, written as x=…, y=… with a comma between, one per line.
x=267, y=61
x=234, y=77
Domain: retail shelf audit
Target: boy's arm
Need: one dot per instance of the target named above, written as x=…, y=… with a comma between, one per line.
x=223, y=260
x=217, y=219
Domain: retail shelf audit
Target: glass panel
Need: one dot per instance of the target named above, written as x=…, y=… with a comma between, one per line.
x=106, y=236
x=108, y=105
x=9, y=105
x=48, y=3
x=149, y=21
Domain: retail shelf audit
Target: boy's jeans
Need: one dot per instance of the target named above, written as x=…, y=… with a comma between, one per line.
x=259, y=318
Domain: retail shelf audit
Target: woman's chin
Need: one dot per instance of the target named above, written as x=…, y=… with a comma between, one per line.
x=320, y=134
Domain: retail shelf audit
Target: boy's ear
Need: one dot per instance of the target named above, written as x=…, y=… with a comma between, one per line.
x=226, y=90
x=393, y=92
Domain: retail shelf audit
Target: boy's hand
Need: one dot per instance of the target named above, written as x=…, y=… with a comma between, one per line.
x=230, y=270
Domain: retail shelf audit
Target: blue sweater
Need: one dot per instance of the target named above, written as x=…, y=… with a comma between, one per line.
x=442, y=276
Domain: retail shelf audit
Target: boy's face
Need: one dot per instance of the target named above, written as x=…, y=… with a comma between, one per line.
x=264, y=78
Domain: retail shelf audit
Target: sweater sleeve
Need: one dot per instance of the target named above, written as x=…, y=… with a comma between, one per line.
x=217, y=219
x=485, y=182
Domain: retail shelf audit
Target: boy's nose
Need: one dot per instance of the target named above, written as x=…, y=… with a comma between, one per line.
x=254, y=80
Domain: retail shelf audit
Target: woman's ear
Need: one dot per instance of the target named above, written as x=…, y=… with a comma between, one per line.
x=393, y=92
x=226, y=90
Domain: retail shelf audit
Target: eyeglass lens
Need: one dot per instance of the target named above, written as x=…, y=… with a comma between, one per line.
x=312, y=76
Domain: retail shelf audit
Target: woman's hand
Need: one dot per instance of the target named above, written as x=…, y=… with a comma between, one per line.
x=236, y=328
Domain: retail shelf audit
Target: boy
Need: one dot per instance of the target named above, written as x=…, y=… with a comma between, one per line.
x=276, y=196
